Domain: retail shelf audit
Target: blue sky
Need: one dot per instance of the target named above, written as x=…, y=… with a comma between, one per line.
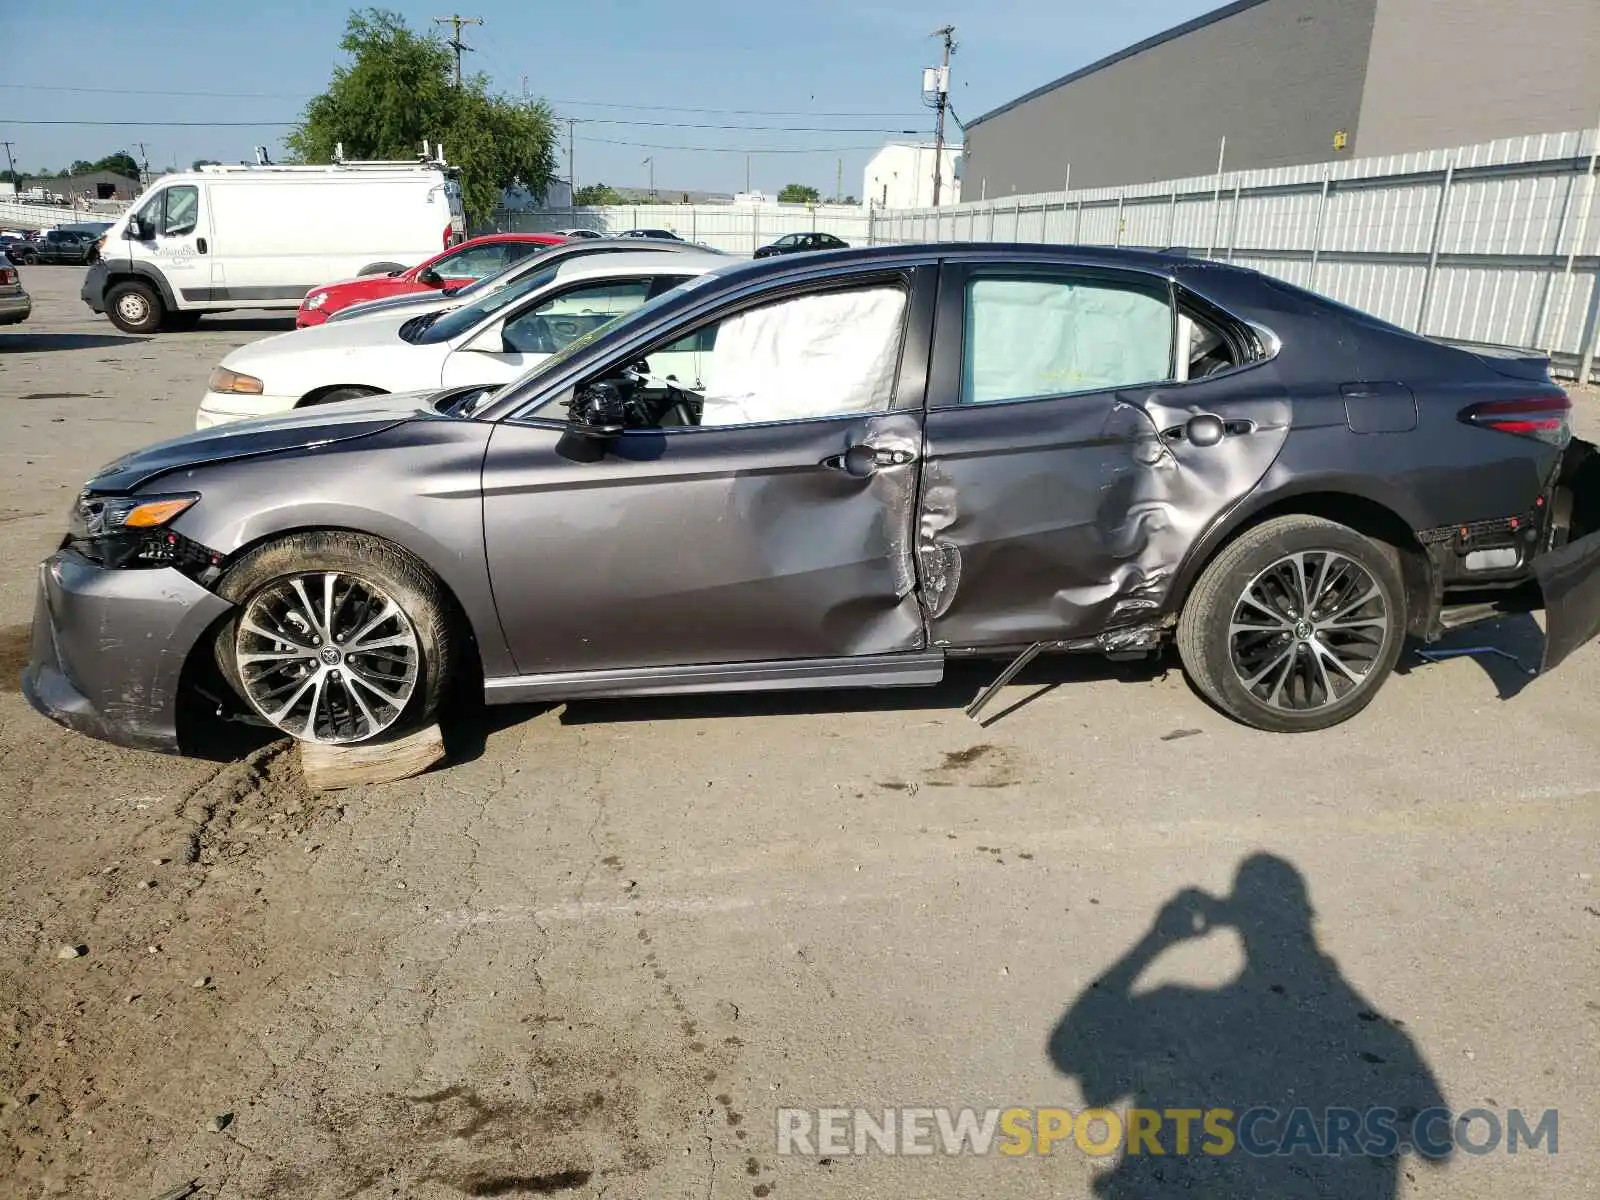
x=844, y=76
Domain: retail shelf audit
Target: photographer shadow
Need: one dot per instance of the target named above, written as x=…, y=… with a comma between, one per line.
x=1288, y=1033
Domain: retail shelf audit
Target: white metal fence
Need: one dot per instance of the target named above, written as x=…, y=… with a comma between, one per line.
x=738, y=229
x=1495, y=243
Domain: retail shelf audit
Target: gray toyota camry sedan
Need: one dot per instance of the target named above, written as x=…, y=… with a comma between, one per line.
x=843, y=470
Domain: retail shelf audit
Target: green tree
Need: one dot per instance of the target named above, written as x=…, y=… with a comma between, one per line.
x=798, y=193
x=397, y=92
x=595, y=194
x=121, y=162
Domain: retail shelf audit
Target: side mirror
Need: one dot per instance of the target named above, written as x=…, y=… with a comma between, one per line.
x=136, y=230
x=430, y=277
x=594, y=418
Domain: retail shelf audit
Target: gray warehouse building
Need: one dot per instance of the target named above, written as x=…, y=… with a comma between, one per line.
x=1289, y=82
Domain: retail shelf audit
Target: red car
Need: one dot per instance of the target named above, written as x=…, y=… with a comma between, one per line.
x=456, y=267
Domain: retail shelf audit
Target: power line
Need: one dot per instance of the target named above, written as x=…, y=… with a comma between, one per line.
x=725, y=112
x=735, y=149
x=586, y=120
x=161, y=124
x=751, y=128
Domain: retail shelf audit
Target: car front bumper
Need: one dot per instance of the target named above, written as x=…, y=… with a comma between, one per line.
x=219, y=408
x=109, y=648
x=15, y=308
x=93, y=292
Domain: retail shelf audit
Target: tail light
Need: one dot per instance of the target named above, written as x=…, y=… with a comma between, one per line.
x=1545, y=418
x=8, y=276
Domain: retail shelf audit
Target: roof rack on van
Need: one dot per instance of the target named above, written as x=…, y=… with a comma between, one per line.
x=432, y=156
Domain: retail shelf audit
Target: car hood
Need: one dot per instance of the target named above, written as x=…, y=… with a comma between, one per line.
x=319, y=339
x=301, y=429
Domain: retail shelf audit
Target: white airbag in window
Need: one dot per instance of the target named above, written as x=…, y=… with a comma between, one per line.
x=813, y=356
x=1029, y=338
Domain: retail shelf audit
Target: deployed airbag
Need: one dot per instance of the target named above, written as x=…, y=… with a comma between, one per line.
x=812, y=356
x=1028, y=338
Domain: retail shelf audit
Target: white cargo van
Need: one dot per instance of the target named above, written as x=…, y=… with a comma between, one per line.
x=228, y=237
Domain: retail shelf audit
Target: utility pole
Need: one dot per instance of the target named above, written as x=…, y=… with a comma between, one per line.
x=11, y=165
x=572, y=170
x=144, y=165
x=651, y=163
x=747, y=174
x=942, y=102
x=456, y=21
x=838, y=181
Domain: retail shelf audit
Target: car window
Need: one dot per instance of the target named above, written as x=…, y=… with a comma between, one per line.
x=801, y=358
x=517, y=251
x=786, y=241
x=468, y=316
x=556, y=322
x=1035, y=337
x=477, y=262
x=181, y=210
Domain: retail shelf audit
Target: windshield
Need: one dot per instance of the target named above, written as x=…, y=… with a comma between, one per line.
x=453, y=324
x=617, y=325
x=500, y=278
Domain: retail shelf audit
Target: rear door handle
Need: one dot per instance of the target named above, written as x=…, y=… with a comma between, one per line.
x=200, y=245
x=861, y=461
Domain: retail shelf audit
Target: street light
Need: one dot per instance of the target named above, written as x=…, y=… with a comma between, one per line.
x=651, y=163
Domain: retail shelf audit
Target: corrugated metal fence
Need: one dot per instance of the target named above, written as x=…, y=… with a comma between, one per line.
x=738, y=229
x=1495, y=243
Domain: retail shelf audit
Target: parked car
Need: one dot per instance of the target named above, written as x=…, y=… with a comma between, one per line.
x=15, y=303
x=492, y=340
x=231, y=237
x=796, y=243
x=662, y=234
x=57, y=246
x=804, y=473
x=580, y=248
x=580, y=233
x=448, y=271
x=9, y=240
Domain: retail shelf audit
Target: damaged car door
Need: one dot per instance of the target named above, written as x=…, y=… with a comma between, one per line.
x=755, y=505
x=1084, y=426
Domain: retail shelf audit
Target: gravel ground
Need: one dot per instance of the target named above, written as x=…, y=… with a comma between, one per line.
x=597, y=955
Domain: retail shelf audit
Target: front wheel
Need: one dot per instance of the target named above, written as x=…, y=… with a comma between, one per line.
x=134, y=307
x=337, y=637
x=1295, y=625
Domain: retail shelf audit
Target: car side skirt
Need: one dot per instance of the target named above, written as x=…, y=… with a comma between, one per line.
x=918, y=669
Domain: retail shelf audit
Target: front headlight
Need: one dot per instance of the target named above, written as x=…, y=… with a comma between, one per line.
x=315, y=300
x=107, y=516
x=226, y=381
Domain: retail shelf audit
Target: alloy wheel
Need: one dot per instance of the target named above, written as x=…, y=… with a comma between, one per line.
x=1308, y=630
x=327, y=657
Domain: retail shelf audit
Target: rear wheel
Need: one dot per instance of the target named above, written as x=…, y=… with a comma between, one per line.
x=337, y=638
x=1295, y=625
x=134, y=307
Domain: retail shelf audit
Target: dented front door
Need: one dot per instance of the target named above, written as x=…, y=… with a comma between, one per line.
x=1065, y=515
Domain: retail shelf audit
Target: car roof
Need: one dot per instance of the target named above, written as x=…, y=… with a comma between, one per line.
x=649, y=262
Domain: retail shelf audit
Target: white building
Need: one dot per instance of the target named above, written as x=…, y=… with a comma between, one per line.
x=901, y=176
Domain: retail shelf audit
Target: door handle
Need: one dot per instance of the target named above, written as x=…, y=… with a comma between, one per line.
x=200, y=245
x=861, y=461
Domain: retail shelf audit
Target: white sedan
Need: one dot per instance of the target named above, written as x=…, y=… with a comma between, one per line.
x=492, y=340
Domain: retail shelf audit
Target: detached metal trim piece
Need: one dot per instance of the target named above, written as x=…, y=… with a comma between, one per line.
x=918, y=669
